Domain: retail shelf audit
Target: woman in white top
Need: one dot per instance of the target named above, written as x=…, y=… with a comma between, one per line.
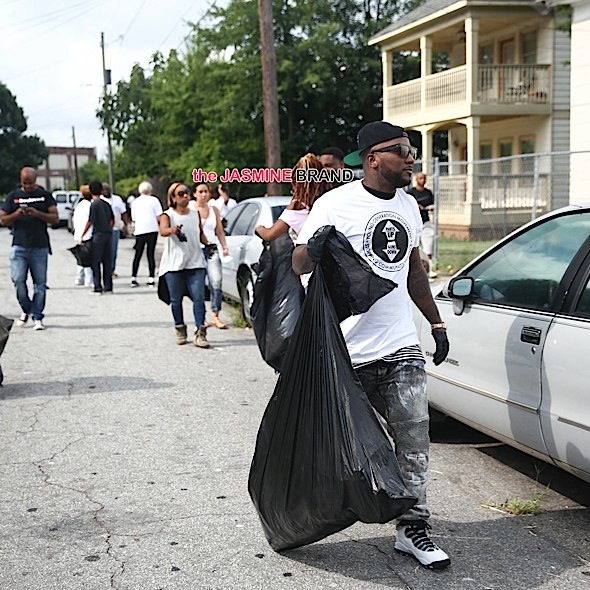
x=213, y=229
x=304, y=196
x=183, y=263
x=79, y=218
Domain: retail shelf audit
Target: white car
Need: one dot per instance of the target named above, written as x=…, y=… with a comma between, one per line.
x=66, y=201
x=245, y=247
x=518, y=320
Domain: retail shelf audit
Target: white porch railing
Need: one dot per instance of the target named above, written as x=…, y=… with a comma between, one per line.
x=514, y=83
x=509, y=84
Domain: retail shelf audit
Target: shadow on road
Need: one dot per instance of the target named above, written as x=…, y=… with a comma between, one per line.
x=446, y=430
x=80, y=386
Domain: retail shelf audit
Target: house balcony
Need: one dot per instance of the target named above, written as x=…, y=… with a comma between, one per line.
x=499, y=91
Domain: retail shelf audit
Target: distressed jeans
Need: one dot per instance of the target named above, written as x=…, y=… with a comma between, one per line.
x=23, y=260
x=214, y=280
x=187, y=281
x=397, y=391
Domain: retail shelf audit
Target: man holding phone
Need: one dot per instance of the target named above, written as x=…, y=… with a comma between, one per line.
x=28, y=210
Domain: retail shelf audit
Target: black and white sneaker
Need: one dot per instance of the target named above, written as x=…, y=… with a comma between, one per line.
x=413, y=539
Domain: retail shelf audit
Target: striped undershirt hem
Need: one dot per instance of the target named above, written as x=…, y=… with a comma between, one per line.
x=408, y=353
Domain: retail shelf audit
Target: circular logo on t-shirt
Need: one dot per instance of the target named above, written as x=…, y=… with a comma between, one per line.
x=386, y=243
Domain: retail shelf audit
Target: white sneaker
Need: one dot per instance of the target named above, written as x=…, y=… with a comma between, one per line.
x=412, y=539
x=22, y=321
x=79, y=282
x=38, y=325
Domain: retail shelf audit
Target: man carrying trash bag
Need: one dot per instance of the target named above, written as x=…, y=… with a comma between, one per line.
x=383, y=225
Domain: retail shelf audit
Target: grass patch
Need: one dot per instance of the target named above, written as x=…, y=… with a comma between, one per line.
x=235, y=312
x=454, y=254
x=518, y=506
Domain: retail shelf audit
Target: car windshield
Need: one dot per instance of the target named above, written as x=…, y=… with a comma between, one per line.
x=526, y=270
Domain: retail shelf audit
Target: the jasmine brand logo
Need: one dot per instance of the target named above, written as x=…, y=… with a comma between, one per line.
x=386, y=241
x=284, y=175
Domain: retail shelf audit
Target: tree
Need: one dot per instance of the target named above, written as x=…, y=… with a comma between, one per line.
x=204, y=109
x=17, y=149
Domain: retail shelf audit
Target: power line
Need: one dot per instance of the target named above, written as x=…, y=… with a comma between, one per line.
x=177, y=23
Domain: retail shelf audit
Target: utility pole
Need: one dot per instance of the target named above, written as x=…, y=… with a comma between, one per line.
x=106, y=80
x=75, y=158
x=272, y=141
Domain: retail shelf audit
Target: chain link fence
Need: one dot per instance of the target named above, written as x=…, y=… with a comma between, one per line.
x=479, y=202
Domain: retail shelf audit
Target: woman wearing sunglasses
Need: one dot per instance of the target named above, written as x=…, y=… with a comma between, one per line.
x=183, y=262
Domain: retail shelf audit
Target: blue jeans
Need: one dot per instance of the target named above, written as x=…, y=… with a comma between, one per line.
x=397, y=391
x=115, y=247
x=181, y=283
x=214, y=280
x=23, y=260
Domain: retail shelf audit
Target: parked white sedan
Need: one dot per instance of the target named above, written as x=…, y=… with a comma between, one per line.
x=245, y=247
x=518, y=321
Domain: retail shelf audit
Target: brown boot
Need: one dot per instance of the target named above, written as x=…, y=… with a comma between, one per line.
x=201, y=338
x=217, y=322
x=181, y=334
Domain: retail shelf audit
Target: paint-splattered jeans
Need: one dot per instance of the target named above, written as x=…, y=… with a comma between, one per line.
x=398, y=392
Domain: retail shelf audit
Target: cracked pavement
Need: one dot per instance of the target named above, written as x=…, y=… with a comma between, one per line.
x=124, y=461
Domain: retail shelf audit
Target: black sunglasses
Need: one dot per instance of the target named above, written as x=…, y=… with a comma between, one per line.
x=401, y=149
x=182, y=193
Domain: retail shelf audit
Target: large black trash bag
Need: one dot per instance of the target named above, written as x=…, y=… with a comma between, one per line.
x=278, y=297
x=322, y=460
x=352, y=285
x=83, y=253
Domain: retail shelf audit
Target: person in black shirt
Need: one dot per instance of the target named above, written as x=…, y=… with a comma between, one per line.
x=425, y=200
x=102, y=220
x=28, y=210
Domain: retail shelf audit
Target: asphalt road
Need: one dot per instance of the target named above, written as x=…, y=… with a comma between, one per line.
x=124, y=461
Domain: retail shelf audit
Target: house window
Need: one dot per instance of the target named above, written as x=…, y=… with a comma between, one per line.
x=486, y=75
x=505, y=151
x=527, y=145
x=486, y=54
x=528, y=50
x=527, y=163
x=485, y=168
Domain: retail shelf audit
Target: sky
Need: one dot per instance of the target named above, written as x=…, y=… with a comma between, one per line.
x=51, y=59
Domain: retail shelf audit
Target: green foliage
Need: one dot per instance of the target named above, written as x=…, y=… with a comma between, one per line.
x=16, y=148
x=517, y=506
x=563, y=18
x=453, y=254
x=204, y=109
x=96, y=170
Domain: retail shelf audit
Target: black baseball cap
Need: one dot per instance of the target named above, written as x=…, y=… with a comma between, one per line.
x=371, y=134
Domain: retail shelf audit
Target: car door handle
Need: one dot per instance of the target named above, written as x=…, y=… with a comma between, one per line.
x=530, y=335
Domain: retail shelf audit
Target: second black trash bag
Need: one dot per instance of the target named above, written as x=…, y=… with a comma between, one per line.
x=278, y=297
x=322, y=460
x=83, y=253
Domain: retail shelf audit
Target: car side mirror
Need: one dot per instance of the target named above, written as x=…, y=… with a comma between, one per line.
x=459, y=290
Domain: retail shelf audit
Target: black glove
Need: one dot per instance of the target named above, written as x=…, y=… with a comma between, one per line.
x=442, y=345
x=317, y=243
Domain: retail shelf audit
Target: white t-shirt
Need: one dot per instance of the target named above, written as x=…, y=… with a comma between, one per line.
x=145, y=211
x=295, y=218
x=177, y=255
x=79, y=219
x=118, y=207
x=383, y=232
x=224, y=208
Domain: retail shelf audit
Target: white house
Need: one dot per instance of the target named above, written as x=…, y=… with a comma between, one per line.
x=506, y=91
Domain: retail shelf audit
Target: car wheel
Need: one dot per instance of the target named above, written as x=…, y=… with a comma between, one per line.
x=246, y=296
